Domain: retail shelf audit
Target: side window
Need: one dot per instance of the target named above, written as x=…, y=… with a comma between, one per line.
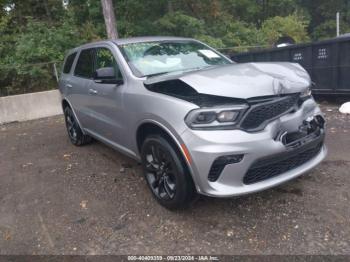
x=69, y=62
x=85, y=64
x=105, y=58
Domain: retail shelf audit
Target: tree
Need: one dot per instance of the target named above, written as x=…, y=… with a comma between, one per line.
x=322, y=17
x=292, y=26
x=35, y=32
x=108, y=14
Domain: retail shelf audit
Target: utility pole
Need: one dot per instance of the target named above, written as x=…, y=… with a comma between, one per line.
x=338, y=26
x=109, y=16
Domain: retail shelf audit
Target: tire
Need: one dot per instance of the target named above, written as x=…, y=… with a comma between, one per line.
x=166, y=174
x=74, y=131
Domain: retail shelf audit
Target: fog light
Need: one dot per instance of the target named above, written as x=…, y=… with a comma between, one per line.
x=219, y=165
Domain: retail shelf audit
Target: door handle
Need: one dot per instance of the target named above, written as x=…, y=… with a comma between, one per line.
x=69, y=86
x=92, y=91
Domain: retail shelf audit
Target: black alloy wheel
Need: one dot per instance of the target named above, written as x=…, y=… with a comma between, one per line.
x=160, y=171
x=165, y=173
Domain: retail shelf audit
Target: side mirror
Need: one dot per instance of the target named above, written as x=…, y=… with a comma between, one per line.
x=106, y=75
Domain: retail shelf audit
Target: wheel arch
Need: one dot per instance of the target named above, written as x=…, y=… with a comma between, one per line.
x=65, y=102
x=150, y=127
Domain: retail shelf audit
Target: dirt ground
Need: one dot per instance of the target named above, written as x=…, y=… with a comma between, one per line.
x=59, y=199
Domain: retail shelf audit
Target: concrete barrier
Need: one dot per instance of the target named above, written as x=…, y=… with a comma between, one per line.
x=30, y=106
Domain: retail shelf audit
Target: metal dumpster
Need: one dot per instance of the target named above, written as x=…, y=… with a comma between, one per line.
x=328, y=62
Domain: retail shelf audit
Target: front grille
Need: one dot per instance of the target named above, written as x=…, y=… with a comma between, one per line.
x=262, y=113
x=267, y=168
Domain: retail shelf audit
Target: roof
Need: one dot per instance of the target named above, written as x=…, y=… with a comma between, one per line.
x=130, y=40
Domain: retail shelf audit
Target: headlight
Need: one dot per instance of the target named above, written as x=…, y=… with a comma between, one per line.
x=307, y=93
x=227, y=116
x=215, y=118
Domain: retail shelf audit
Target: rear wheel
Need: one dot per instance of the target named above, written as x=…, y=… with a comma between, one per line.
x=75, y=133
x=165, y=173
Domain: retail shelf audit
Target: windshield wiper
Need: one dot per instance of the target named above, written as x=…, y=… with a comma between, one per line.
x=180, y=70
x=157, y=74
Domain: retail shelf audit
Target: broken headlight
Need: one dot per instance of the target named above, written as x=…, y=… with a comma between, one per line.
x=307, y=93
x=215, y=118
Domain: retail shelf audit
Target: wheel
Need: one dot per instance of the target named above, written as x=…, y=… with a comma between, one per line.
x=75, y=134
x=166, y=174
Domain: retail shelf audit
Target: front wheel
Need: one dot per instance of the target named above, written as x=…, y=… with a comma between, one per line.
x=165, y=173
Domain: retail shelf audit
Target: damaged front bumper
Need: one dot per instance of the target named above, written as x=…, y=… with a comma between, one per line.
x=260, y=160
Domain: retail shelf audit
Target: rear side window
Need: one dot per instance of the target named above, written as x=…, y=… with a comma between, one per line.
x=85, y=64
x=69, y=62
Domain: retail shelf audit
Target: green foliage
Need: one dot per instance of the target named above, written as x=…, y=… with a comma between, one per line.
x=327, y=29
x=257, y=12
x=34, y=32
x=29, y=64
x=276, y=27
x=324, y=30
x=239, y=34
x=322, y=17
x=179, y=24
x=42, y=43
x=211, y=41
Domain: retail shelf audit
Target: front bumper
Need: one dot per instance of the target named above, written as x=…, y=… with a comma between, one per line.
x=206, y=146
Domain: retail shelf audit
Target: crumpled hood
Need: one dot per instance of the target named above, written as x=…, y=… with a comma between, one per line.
x=244, y=80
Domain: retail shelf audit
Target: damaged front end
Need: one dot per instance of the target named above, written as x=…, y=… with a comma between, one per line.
x=275, y=129
x=218, y=112
x=301, y=146
x=312, y=128
x=179, y=89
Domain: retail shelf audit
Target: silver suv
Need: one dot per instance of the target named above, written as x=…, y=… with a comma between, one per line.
x=197, y=121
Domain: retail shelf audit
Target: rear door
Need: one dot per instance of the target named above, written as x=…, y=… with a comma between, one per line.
x=65, y=82
x=79, y=86
x=65, y=77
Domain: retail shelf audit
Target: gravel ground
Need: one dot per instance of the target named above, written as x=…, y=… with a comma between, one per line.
x=59, y=199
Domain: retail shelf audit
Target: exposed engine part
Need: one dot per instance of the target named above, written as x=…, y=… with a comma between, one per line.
x=181, y=90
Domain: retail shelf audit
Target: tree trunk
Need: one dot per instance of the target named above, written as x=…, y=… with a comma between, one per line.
x=170, y=6
x=47, y=10
x=108, y=14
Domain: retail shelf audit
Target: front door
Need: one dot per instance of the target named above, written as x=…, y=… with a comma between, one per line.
x=106, y=100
